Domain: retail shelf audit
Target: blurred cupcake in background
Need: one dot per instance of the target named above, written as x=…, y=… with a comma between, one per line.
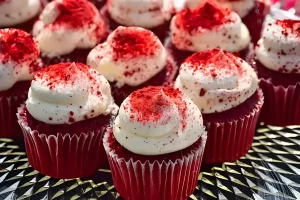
x=156, y=142
x=225, y=89
x=206, y=27
x=19, y=59
x=149, y=14
x=68, y=29
x=20, y=14
x=277, y=63
x=69, y=106
x=130, y=59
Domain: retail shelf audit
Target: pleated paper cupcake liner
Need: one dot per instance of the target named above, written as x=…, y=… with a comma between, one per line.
x=63, y=156
x=282, y=104
x=229, y=140
x=173, y=178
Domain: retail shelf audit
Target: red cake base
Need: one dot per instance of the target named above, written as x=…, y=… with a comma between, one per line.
x=230, y=133
x=64, y=151
x=162, y=31
x=164, y=77
x=164, y=177
x=10, y=100
x=282, y=96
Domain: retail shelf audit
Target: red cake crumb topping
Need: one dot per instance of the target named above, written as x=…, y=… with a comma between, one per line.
x=206, y=16
x=221, y=59
x=75, y=13
x=17, y=45
x=145, y=107
x=128, y=42
x=289, y=25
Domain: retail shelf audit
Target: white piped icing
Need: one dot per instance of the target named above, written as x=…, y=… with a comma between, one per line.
x=19, y=57
x=279, y=47
x=216, y=80
x=69, y=92
x=207, y=27
x=66, y=25
x=13, y=12
x=158, y=120
x=131, y=55
x=142, y=13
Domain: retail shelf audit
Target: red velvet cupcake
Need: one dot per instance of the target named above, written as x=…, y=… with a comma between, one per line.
x=225, y=89
x=68, y=29
x=19, y=59
x=278, y=66
x=132, y=58
x=156, y=145
x=69, y=106
x=207, y=27
x=252, y=12
x=149, y=14
x=20, y=14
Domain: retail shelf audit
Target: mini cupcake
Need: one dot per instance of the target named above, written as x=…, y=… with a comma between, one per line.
x=69, y=106
x=149, y=14
x=252, y=12
x=68, y=29
x=132, y=58
x=19, y=14
x=19, y=56
x=207, y=27
x=278, y=66
x=225, y=89
x=156, y=145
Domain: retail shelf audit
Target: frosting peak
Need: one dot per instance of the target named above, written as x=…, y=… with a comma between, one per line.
x=216, y=80
x=131, y=55
x=69, y=24
x=279, y=47
x=68, y=92
x=209, y=26
x=157, y=120
x=19, y=56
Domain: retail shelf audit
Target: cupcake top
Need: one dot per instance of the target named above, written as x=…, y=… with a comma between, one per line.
x=279, y=47
x=131, y=55
x=142, y=13
x=157, y=120
x=209, y=26
x=13, y=12
x=66, y=93
x=241, y=7
x=65, y=25
x=18, y=57
x=216, y=80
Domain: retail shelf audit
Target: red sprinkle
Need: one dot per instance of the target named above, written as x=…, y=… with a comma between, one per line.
x=289, y=25
x=202, y=92
x=145, y=108
x=128, y=42
x=16, y=45
x=206, y=16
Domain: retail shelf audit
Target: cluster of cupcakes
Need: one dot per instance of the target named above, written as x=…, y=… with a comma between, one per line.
x=154, y=90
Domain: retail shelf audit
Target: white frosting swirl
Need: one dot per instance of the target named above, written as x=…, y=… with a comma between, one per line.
x=216, y=80
x=158, y=120
x=279, y=47
x=142, y=13
x=19, y=56
x=131, y=55
x=198, y=30
x=81, y=27
x=69, y=92
x=13, y=12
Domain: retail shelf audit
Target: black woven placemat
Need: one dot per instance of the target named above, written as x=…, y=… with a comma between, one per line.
x=270, y=170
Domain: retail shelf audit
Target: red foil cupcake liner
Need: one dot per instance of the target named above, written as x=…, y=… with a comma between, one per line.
x=229, y=140
x=282, y=105
x=168, y=178
x=63, y=156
